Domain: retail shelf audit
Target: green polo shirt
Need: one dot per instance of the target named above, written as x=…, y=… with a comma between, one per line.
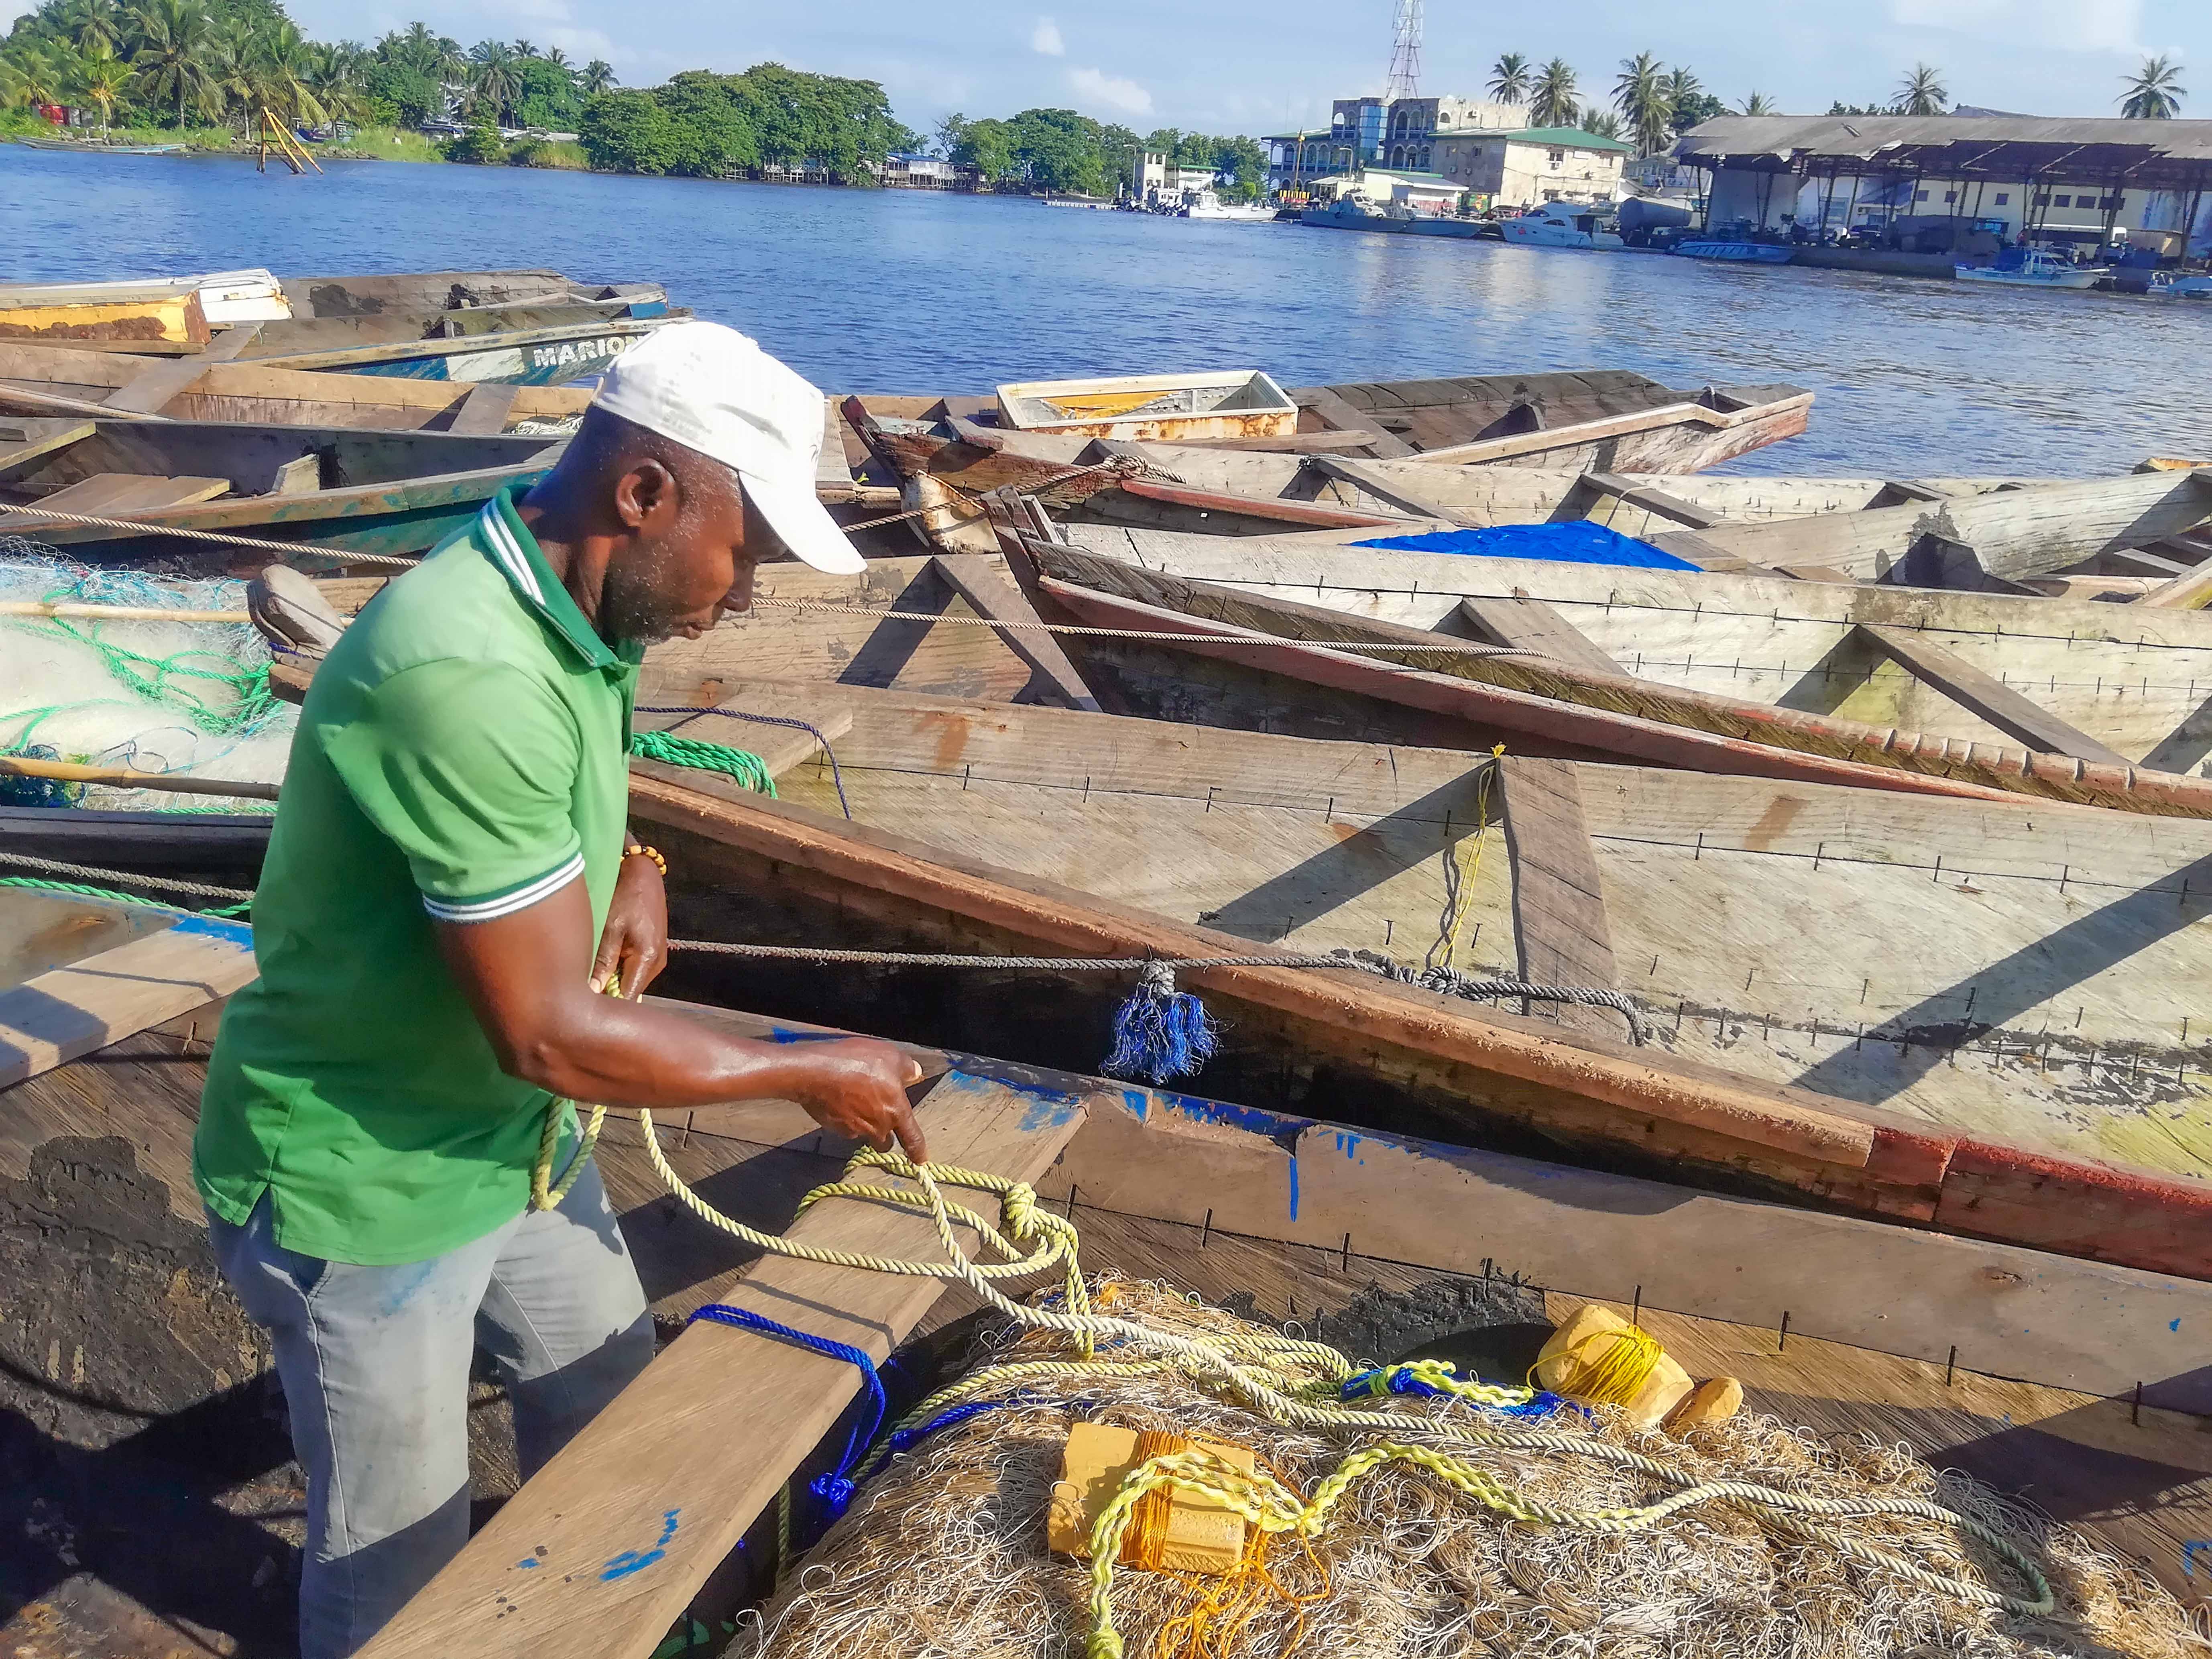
x=461, y=755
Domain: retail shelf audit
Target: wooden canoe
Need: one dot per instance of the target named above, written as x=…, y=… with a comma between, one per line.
x=1978, y=1028
x=950, y=448
x=136, y=1401
x=31, y=377
x=333, y=490
x=2099, y=680
x=524, y=343
x=364, y=296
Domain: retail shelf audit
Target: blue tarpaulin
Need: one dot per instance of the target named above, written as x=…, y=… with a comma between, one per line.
x=1575, y=542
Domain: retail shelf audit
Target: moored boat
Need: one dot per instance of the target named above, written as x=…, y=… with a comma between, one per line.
x=1734, y=251
x=1559, y=225
x=2031, y=1369
x=332, y=490
x=2031, y=267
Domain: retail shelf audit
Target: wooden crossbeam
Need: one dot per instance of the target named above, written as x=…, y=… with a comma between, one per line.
x=1366, y=476
x=1533, y=625
x=483, y=412
x=107, y=493
x=982, y=583
x=1658, y=502
x=1994, y=701
x=160, y=384
x=1559, y=933
x=1342, y=416
x=606, y=1546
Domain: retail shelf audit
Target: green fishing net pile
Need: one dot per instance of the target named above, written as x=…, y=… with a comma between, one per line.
x=153, y=696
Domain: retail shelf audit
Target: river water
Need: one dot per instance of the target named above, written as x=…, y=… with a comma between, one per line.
x=913, y=291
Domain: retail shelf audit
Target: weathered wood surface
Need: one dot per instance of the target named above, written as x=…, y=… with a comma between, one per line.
x=1533, y=625
x=1988, y=697
x=2007, y=533
x=1610, y=716
x=486, y=409
x=73, y=1010
x=988, y=591
x=106, y=494
x=602, y=1549
x=1560, y=933
x=1334, y=414
x=2030, y=981
x=2139, y=681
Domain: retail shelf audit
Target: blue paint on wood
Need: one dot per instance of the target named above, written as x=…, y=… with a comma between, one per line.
x=630, y=1561
x=235, y=932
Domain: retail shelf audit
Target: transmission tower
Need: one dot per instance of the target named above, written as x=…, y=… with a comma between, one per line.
x=1406, y=53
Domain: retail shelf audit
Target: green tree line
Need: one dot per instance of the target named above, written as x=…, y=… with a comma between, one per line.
x=1059, y=150
x=191, y=62
x=704, y=126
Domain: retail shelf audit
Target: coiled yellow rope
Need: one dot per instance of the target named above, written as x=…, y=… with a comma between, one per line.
x=1614, y=1377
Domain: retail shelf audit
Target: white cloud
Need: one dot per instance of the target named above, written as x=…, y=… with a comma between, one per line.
x=2069, y=25
x=1111, y=90
x=1045, y=38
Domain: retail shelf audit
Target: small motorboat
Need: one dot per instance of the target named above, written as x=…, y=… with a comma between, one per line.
x=1735, y=250
x=2195, y=285
x=1554, y=225
x=2031, y=267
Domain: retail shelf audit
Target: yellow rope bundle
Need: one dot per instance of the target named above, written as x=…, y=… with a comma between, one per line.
x=1614, y=1377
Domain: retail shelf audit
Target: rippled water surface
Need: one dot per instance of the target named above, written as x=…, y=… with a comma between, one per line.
x=915, y=291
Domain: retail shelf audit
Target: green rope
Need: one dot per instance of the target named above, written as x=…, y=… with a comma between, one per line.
x=749, y=770
x=47, y=884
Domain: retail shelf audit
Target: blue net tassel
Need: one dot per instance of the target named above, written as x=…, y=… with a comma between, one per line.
x=1160, y=1033
x=16, y=790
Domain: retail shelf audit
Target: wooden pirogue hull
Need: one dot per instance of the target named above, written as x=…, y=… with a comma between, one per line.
x=261, y=394
x=333, y=490
x=2130, y=680
x=135, y=1439
x=949, y=451
x=1998, y=1003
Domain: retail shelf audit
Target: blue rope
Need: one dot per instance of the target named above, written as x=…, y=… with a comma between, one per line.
x=835, y=1489
x=1401, y=1379
x=835, y=775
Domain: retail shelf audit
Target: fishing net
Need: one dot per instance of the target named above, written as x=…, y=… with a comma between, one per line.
x=945, y=1553
x=157, y=695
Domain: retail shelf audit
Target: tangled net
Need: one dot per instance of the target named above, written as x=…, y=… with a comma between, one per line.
x=154, y=696
x=945, y=1553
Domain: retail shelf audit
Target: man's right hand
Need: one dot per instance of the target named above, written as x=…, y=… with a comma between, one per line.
x=856, y=1087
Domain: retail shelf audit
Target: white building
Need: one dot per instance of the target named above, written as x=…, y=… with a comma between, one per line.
x=1530, y=165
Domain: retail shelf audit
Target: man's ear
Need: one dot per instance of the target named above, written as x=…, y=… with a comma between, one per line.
x=647, y=496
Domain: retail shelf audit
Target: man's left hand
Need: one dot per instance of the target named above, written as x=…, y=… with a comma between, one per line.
x=635, y=943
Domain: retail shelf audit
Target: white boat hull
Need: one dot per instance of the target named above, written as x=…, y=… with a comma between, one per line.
x=2067, y=279
x=1542, y=232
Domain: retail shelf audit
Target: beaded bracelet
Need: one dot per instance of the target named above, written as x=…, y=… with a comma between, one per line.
x=637, y=850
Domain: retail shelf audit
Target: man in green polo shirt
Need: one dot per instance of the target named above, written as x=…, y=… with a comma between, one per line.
x=450, y=886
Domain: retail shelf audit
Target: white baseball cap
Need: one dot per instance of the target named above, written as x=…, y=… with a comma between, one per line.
x=713, y=390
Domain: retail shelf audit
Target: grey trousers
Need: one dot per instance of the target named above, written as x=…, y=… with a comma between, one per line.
x=375, y=1364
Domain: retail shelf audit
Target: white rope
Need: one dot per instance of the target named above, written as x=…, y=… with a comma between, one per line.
x=150, y=527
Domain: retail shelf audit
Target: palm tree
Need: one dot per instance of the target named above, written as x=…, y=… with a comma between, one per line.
x=492, y=84
x=1508, y=79
x=556, y=57
x=1552, y=96
x=1639, y=92
x=31, y=74
x=1922, y=92
x=598, y=77
x=525, y=51
x=1681, y=84
x=175, y=43
x=100, y=77
x=92, y=24
x=280, y=70
x=2154, y=92
x=334, y=77
x=1602, y=122
x=1759, y=104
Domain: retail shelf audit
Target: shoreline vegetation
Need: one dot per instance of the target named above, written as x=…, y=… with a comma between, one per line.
x=198, y=73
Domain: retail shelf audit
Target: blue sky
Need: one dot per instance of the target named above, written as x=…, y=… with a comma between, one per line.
x=1267, y=68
